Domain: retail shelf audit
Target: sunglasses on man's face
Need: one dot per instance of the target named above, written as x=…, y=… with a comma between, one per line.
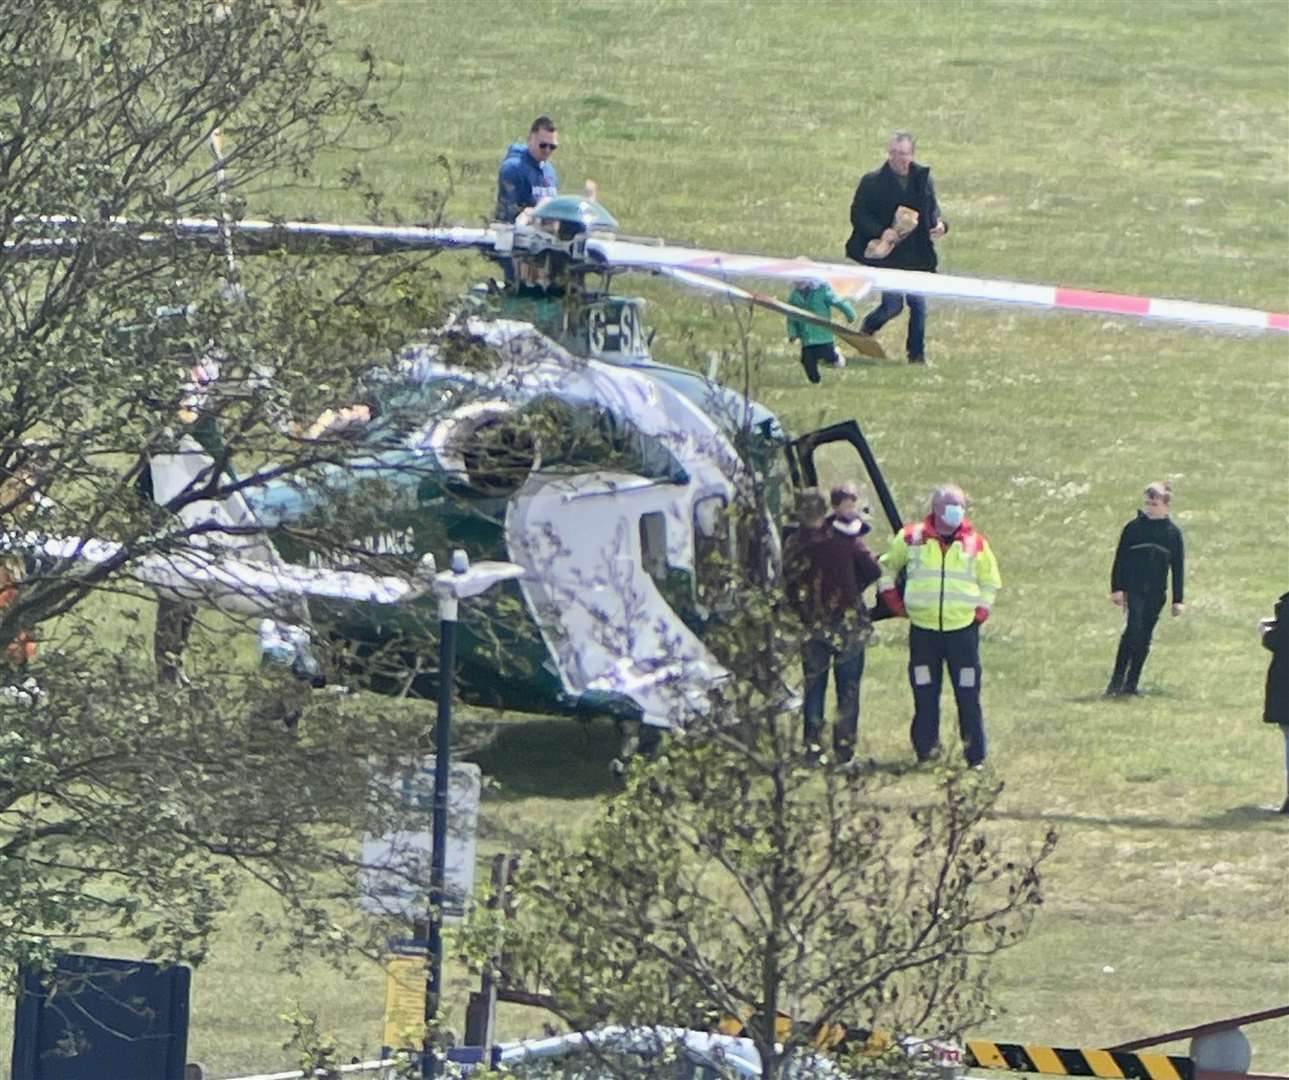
x=548, y=145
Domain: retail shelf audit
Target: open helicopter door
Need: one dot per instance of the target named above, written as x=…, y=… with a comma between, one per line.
x=801, y=462
x=189, y=469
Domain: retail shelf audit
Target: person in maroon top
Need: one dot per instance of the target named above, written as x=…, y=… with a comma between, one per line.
x=826, y=570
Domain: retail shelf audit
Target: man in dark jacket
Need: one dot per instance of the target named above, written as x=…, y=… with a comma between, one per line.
x=885, y=233
x=1150, y=547
x=1275, y=638
x=826, y=572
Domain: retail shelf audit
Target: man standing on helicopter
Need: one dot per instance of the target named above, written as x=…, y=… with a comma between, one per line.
x=526, y=175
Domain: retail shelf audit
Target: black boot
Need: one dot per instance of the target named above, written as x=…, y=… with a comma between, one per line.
x=1134, y=673
x=1120, y=666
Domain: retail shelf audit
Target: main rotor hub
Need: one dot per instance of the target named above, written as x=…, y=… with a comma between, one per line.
x=585, y=215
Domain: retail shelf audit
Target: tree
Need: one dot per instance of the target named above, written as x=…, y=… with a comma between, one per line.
x=128, y=806
x=737, y=877
x=722, y=883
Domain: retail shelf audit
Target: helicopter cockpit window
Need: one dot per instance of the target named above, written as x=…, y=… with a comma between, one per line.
x=628, y=445
x=583, y=436
x=498, y=455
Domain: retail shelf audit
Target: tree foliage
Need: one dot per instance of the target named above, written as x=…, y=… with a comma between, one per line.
x=128, y=806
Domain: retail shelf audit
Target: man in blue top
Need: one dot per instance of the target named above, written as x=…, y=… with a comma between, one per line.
x=526, y=175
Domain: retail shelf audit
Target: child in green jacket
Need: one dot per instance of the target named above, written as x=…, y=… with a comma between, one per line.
x=816, y=341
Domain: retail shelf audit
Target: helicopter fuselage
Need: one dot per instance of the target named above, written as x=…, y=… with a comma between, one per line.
x=609, y=486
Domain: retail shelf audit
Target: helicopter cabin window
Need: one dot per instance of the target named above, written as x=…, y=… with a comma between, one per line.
x=673, y=583
x=711, y=549
x=653, y=546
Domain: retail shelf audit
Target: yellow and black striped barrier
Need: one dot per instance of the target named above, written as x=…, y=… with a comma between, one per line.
x=1064, y=1061
x=983, y=1054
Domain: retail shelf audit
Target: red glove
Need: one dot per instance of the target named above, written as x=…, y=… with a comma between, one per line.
x=893, y=600
x=982, y=613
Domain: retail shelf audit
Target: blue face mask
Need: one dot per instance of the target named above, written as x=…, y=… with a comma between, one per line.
x=952, y=515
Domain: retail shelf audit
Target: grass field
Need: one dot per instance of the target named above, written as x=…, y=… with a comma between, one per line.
x=1134, y=147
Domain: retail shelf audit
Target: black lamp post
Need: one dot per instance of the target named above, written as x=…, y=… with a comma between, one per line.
x=451, y=586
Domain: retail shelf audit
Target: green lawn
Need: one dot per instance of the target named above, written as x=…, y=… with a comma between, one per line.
x=1135, y=147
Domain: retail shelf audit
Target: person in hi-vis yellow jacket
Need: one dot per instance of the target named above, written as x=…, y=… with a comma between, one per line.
x=951, y=579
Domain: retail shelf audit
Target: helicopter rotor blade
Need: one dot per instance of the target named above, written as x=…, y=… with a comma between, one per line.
x=252, y=236
x=865, y=344
x=722, y=264
x=60, y=235
x=240, y=586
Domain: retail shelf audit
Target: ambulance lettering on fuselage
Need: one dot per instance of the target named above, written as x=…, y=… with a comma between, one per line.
x=391, y=542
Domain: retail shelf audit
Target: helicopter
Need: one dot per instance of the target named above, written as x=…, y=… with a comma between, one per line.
x=606, y=475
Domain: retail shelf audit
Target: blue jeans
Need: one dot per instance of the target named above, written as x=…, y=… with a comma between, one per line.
x=892, y=304
x=844, y=653
x=929, y=652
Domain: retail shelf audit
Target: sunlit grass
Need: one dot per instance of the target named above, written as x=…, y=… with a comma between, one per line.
x=1130, y=147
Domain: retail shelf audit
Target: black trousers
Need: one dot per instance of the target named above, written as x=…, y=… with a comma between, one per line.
x=811, y=355
x=929, y=652
x=844, y=653
x=1134, y=644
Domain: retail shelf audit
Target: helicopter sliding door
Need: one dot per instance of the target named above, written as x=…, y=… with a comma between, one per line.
x=801, y=461
x=604, y=553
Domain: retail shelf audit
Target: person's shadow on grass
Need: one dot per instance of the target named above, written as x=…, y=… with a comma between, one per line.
x=1235, y=817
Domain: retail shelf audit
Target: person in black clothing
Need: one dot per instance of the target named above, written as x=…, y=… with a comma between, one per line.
x=1275, y=638
x=885, y=233
x=826, y=570
x=1150, y=546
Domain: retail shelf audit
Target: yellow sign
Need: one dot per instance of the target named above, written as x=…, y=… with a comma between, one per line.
x=404, y=1001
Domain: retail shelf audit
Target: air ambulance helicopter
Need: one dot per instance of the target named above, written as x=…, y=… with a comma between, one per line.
x=607, y=476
